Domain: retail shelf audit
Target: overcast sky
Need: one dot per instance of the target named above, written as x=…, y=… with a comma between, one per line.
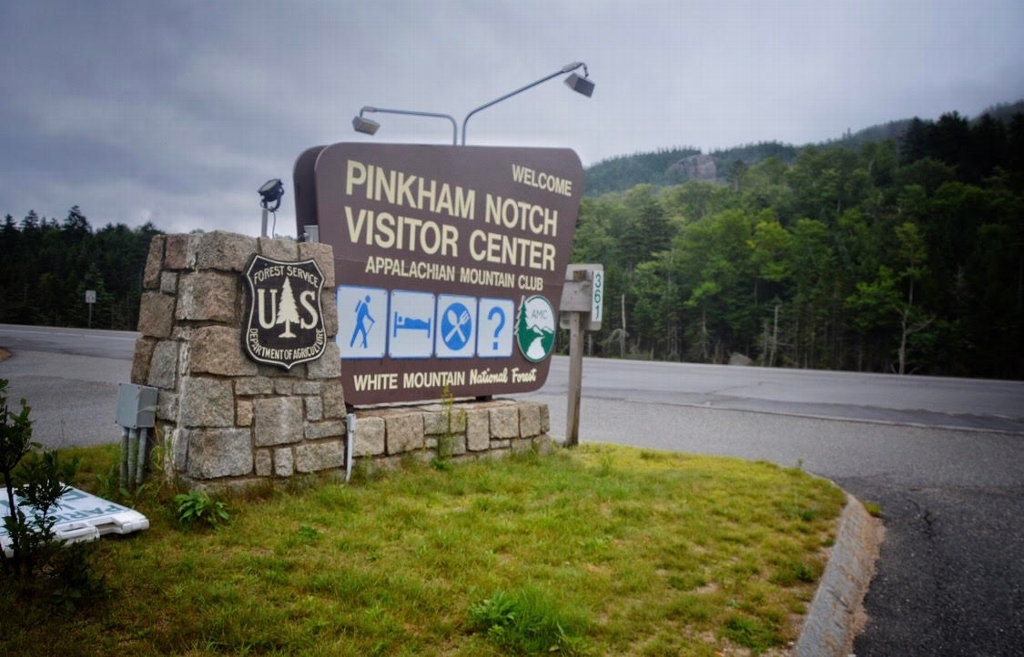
x=176, y=112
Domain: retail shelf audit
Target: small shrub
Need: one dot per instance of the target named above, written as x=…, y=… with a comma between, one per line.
x=198, y=507
x=74, y=582
x=40, y=563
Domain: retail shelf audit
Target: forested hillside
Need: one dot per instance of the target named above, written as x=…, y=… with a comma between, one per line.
x=892, y=256
x=47, y=266
x=869, y=253
x=675, y=165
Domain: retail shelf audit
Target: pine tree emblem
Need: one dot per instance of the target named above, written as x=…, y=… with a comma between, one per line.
x=287, y=311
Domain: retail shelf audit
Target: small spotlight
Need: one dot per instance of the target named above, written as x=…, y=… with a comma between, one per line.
x=270, y=194
x=580, y=85
x=366, y=126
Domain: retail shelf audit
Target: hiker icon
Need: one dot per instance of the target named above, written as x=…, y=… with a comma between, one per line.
x=362, y=321
x=362, y=316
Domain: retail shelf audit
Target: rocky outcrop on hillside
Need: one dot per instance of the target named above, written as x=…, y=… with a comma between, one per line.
x=696, y=167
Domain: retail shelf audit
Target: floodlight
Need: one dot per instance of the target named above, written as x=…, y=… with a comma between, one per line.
x=270, y=200
x=366, y=126
x=580, y=85
x=271, y=193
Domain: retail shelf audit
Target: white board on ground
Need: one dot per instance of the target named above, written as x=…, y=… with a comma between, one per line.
x=81, y=516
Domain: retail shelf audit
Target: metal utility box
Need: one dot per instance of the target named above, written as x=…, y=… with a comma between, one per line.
x=136, y=406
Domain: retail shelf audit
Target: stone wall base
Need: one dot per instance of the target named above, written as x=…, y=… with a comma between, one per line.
x=227, y=421
x=386, y=439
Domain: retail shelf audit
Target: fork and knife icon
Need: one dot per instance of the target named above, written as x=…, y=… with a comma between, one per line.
x=459, y=319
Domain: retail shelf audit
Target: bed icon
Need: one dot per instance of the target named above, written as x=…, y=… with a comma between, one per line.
x=412, y=325
x=409, y=324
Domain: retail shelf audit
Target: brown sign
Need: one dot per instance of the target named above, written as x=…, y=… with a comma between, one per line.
x=286, y=319
x=449, y=261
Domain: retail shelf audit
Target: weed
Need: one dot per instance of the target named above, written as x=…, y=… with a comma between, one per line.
x=198, y=507
x=752, y=633
x=791, y=572
x=309, y=534
x=446, y=441
x=109, y=482
x=873, y=508
x=528, y=623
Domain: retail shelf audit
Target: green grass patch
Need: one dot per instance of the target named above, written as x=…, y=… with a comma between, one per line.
x=599, y=550
x=873, y=508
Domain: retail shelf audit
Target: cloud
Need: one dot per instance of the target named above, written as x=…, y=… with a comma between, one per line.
x=176, y=112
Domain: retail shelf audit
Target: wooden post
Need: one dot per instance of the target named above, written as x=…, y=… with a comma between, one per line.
x=572, y=411
x=572, y=430
x=581, y=307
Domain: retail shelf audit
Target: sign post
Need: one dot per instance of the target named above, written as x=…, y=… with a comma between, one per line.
x=582, y=304
x=90, y=299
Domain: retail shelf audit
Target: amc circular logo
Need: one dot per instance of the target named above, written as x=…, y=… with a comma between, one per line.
x=535, y=328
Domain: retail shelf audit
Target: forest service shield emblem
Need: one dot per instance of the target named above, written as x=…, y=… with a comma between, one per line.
x=286, y=324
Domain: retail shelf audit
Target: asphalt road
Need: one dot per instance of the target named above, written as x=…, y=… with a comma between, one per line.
x=69, y=377
x=943, y=457
x=912, y=400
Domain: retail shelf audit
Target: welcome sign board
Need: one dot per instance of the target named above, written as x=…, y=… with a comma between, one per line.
x=449, y=263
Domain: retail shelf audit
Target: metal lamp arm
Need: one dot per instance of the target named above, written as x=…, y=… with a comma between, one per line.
x=565, y=69
x=455, y=126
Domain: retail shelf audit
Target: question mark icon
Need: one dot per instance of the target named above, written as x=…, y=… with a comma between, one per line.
x=501, y=323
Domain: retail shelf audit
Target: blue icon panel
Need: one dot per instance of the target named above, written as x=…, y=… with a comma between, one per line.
x=456, y=319
x=496, y=320
x=405, y=324
x=362, y=322
x=412, y=325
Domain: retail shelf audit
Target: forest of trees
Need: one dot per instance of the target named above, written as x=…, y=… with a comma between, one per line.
x=48, y=265
x=892, y=256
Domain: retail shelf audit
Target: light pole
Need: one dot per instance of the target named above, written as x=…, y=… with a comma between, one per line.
x=581, y=85
x=575, y=82
x=369, y=126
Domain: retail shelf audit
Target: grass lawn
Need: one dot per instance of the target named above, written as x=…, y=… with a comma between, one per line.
x=598, y=550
